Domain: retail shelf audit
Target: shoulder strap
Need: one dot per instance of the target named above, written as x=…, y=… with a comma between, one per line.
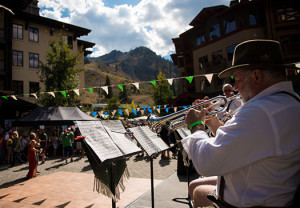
x=288, y=93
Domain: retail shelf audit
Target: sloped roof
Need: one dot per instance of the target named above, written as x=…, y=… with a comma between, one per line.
x=54, y=116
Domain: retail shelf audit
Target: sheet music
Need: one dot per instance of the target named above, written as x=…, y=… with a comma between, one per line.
x=114, y=125
x=124, y=142
x=150, y=142
x=98, y=139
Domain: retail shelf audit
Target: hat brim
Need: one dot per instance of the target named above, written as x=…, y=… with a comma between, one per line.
x=229, y=71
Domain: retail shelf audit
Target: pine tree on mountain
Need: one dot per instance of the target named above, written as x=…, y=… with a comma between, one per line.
x=123, y=96
x=162, y=93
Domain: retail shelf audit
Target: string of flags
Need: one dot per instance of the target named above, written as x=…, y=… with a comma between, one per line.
x=105, y=88
x=143, y=111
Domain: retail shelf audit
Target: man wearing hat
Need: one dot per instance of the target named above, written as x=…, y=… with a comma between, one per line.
x=256, y=154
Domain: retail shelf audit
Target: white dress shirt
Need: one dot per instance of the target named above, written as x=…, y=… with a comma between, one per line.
x=257, y=151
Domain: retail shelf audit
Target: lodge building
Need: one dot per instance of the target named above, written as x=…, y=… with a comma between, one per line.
x=207, y=48
x=24, y=39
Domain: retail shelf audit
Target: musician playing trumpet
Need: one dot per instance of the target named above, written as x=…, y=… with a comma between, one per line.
x=256, y=154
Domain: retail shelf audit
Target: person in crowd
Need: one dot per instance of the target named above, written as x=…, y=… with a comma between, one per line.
x=32, y=156
x=79, y=148
x=24, y=146
x=165, y=137
x=54, y=141
x=255, y=155
x=17, y=149
x=43, y=144
x=67, y=138
x=1, y=148
x=9, y=148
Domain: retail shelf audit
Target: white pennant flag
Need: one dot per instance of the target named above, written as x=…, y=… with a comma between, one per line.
x=34, y=95
x=127, y=111
x=100, y=113
x=114, y=112
x=154, y=107
x=158, y=110
x=105, y=88
x=138, y=109
x=170, y=81
x=175, y=109
x=142, y=111
x=137, y=85
x=209, y=77
x=14, y=97
x=165, y=106
x=51, y=93
x=76, y=91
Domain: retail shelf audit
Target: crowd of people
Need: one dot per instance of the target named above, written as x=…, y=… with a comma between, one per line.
x=36, y=146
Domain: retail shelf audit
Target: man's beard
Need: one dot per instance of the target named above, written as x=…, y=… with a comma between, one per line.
x=246, y=91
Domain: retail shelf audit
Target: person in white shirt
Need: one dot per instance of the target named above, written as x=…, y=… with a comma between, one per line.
x=256, y=154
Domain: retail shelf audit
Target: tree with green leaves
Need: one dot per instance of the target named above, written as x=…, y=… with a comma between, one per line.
x=59, y=74
x=112, y=104
x=107, y=83
x=161, y=93
x=123, y=95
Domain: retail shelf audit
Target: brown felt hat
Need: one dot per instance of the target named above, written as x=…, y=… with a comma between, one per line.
x=257, y=54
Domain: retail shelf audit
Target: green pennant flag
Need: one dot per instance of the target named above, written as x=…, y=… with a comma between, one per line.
x=121, y=87
x=4, y=97
x=190, y=79
x=26, y=95
x=64, y=93
x=153, y=82
x=91, y=90
x=231, y=77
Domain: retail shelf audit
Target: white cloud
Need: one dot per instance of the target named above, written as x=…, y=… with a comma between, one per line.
x=151, y=23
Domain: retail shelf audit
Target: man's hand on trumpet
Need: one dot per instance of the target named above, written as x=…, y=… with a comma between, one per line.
x=193, y=118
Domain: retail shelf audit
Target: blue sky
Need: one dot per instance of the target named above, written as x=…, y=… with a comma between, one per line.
x=126, y=24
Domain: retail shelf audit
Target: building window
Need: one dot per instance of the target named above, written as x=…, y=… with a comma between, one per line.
x=18, y=87
x=34, y=87
x=33, y=60
x=229, y=25
x=68, y=40
x=17, y=31
x=217, y=57
x=252, y=18
x=214, y=32
x=33, y=34
x=203, y=61
x=200, y=40
x=230, y=50
x=17, y=58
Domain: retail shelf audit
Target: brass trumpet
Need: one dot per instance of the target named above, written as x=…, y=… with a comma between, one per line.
x=177, y=119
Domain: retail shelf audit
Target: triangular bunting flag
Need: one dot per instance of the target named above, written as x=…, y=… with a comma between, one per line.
x=94, y=113
x=76, y=91
x=121, y=87
x=64, y=93
x=105, y=88
x=114, y=112
x=4, y=97
x=175, y=109
x=184, y=107
x=26, y=95
x=138, y=109
x=120, y=112
x=170, y=81
x=51, y=93
x=154, y=107
x=149, y=109
x=105, y=113
x=14, y=97
x=190, y=79
x=167, y=110
x=137, y=85
x=91, y=90
x=34, y=95
x=142, y=111
x=158, y=110
x=165, y=106
x=209, y=77
x=153, y=82
x=127, y=112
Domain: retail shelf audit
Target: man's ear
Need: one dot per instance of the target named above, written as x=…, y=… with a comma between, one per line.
x=257, y=76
